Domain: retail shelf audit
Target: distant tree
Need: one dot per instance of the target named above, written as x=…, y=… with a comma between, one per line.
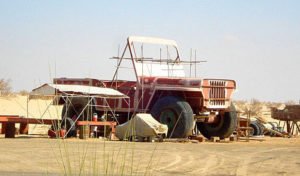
x=5, y=88
x=239, y=104
x=290, y=102
x=252, y=108
x=23, y=92
x=270, y=104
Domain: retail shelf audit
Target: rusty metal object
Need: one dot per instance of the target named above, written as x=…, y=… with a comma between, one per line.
x=10, y=130
x=243, y=129
x=290, y=112
x=24, y=128
x=19, y=119
x=9, y=121
x=290, y=115
x=158, y=77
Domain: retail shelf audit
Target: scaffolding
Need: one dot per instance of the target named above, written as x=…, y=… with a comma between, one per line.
x=65, y=93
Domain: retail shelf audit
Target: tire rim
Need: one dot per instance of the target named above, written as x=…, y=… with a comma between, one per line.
x=169, y=118
x=218, y=124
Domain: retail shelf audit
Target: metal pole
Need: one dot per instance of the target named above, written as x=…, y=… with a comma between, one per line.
x=160, y=58
x=118, y=66
x=142, y=52
x=191, y=55
x=27, y=113
x=195, y=64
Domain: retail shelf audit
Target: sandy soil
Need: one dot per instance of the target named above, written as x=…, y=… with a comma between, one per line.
x=36, y=155
x=42, y=156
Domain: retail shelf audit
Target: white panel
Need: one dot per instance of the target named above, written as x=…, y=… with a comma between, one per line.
x=52, y=89
x=152, y=40
x=160, y=69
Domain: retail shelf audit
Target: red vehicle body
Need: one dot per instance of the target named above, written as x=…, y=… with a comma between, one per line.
x=171, y=97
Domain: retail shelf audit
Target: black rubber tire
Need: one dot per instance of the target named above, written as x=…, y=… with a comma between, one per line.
x=256, y=128
x=69, y=125
x=223, y=129
x=261, y=128
x=180, y=124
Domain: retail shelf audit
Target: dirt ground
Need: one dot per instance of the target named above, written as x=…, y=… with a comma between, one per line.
x=42, y=156
x=38, y=155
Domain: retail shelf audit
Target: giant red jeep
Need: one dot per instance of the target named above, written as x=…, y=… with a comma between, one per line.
x=161, y=87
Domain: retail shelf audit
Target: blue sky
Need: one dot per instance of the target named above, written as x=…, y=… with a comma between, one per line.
x=257, y=43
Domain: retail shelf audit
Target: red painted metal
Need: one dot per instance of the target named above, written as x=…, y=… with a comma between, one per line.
x=10, y=130
x=20, y=119
x=24, y=128
x=9, y=121
x=203, y=95
x=57, y=134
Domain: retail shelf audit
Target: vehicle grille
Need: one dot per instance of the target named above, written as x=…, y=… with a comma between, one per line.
x=217, y=92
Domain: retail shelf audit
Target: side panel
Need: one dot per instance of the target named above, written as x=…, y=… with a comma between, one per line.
x=153, y=88
x=207, y=94
x=120, y=105
x=79, y=81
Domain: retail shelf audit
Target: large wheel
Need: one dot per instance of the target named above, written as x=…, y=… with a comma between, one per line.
x=176, y=113
x=257, y=129
x=224, y=126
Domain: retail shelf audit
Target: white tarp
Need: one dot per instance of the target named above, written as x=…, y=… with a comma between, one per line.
x=141, y=125
x=54, y=89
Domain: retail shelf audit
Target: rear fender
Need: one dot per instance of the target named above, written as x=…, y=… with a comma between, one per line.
x=195, y=99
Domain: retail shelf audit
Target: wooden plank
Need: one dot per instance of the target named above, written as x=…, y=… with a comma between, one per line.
x=215, y=139
x=252, y=138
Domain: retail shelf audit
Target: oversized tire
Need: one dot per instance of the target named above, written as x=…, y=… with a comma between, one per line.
x=256, y=128
x=223, y=128
x=176, y=113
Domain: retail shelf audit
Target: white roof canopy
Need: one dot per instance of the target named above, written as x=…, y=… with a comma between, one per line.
x=152, y=40
x=59, y=89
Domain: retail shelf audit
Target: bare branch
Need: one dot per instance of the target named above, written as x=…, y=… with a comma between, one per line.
x=5, y=87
